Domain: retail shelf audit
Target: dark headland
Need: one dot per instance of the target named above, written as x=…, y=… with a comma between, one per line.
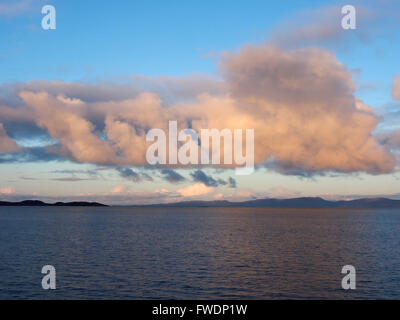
x=306, y=202
x=38, y=203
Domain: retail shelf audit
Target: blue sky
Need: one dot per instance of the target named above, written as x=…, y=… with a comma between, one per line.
x=94, y=42
x=102, y=42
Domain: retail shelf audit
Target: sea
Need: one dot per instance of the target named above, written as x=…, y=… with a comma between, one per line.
x=199, y=253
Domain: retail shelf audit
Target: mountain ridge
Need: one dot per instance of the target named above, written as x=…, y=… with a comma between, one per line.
x=301, y=202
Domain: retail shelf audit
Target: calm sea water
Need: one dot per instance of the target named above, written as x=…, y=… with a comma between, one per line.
x=198, y=253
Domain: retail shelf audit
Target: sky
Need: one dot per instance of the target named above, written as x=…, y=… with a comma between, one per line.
x=77, y=102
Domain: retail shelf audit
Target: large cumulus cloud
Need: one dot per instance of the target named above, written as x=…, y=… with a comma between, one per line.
x=305, y=113
x=300, y=103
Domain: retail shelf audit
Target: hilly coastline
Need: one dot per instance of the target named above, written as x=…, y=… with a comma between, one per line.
x=305, y=202
x=38, y=203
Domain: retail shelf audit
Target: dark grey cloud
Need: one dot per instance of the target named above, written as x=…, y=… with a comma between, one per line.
x=172, y=176
x=76, y=175
x=34, y=154
x=146, y=176
x=93, y=172
x=128, y=174
x=70, y=179
x=134, y=176
x=209, y=181
x=200, y=176
x=28, y=178
x=232, y=182
x=390, y=139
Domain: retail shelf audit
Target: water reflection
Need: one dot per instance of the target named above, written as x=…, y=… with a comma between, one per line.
x=199, y=253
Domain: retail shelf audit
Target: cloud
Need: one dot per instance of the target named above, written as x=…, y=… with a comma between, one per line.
x=320, y=126
x=119, y=189
x=172, y=176
x=282, y=192
x=118, y=195
x=243, y=194
x=300, y=103
x=186, y=88
x=132, y=175
x=16, y=114
x=200, y=176
x=322, y=26
x=232, y=182
x=396, y=88
x=310, y=27
x=209, y=181
x=146, y=176
x=70, y=179
x=163, y=190
x=13, y=8
x=66, y=125
x=219, y=196
x=197, y=189
x=391, y=139
x=34, y=154
x=7, y=191
x=122, y=194
x=7, y=145
x=170, y=89
x=94, y=173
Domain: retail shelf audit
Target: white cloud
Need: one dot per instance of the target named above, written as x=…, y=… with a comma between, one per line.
x=197, y=189
x=7, y=190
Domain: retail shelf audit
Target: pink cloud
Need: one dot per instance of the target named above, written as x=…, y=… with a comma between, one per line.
x=197, y=189
x=7, y=190
x=119, y=189
x=396, y=88
x=65, y=124
x=300, y=103
x=7, y=145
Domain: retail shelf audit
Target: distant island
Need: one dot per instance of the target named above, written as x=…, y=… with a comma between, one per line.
x=37, y=203
x=305, y=202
